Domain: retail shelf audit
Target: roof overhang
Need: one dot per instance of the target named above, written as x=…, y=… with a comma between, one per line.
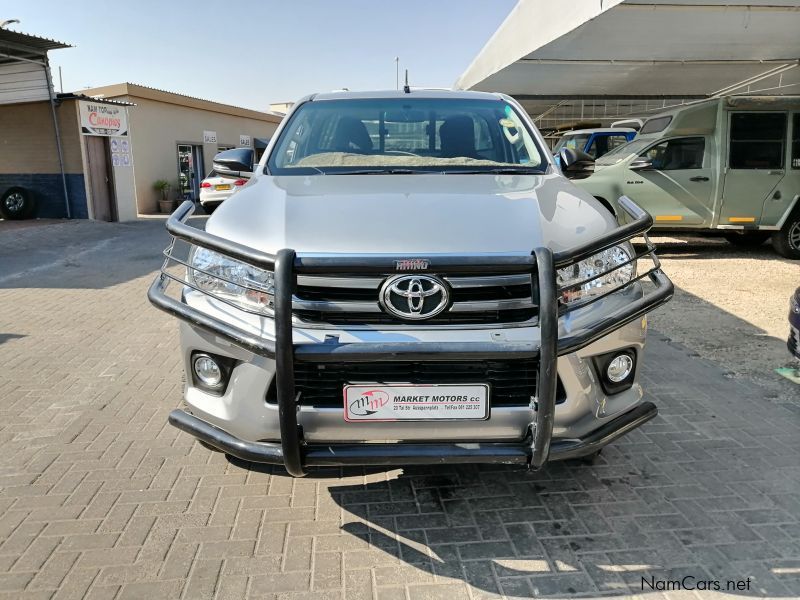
x=23, y=47
x=24, y=72
x=546, y=52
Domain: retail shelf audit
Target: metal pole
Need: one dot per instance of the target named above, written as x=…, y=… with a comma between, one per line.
x=58, y=135
x=397, y=72
x=60, y=81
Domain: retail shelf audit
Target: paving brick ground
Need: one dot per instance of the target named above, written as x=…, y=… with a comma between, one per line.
x=100, y=498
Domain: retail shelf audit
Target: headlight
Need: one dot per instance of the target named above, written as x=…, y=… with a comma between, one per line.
x=590, y=271
x=227, y=278
x=794, y=302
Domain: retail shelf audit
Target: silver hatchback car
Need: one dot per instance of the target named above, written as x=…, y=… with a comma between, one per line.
x=408, y=278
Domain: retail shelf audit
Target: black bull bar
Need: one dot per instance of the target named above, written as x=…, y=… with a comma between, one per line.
x=535, y=450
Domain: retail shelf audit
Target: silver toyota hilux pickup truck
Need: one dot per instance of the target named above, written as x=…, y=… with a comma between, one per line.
x=408, y=278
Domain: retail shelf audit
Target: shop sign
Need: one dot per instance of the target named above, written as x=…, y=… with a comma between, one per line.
x=103, y=119
x=209, y=137
x=244, y=141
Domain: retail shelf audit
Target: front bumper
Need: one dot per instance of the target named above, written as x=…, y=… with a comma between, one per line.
x=341, y=455
x=296, y=453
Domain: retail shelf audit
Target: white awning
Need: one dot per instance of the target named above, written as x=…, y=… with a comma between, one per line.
x=549, y=53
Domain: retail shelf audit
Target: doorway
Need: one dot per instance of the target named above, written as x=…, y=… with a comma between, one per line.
x=101, y=179
x=190, y=170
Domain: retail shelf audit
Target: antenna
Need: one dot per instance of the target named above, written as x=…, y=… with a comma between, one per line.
x=406, y=88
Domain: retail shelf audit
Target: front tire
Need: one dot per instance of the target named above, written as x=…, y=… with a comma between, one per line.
x=16, y=204
x=750, y=239
x=787, y=241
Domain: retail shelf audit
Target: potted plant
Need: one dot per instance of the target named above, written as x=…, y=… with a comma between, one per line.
x=165, y=205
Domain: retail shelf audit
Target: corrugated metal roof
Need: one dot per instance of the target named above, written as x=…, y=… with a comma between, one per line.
x=78, y=96
x=136, y=90
x=24, y=43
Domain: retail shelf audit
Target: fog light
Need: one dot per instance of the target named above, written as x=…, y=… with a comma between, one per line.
x=619, y=368
x=207, y=370
x=616, y=370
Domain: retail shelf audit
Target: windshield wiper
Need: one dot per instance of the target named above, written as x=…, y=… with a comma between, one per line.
x=374, y=172
x=497, y=171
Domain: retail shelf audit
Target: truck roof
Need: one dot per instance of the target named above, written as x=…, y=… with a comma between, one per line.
x=415, y=93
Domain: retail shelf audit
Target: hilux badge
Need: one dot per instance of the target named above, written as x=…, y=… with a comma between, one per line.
x=412, y=264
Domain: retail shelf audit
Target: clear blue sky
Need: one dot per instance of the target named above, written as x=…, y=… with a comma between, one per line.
x=251, y=54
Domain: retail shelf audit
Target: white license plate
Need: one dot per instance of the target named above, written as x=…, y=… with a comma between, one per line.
x=408, y=402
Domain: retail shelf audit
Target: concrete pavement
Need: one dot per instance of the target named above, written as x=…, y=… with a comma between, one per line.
x=100, y=498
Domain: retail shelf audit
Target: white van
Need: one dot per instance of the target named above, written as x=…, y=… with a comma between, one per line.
x=730, y=164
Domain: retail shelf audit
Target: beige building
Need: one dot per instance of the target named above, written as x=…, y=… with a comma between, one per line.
x=175, y=137
x=281, y=107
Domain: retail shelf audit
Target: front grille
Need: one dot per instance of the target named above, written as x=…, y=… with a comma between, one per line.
x=353, y=300
x=511, y=382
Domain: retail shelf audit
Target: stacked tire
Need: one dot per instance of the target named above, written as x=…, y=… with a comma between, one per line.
x=17, y=203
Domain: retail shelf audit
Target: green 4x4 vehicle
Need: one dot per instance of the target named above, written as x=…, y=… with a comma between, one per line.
x=730, y=164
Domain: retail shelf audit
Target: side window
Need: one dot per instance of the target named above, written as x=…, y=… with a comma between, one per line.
x=598, y=146
x=677, y=154
x=796, y=142
x=757, y=140
x=614, y=141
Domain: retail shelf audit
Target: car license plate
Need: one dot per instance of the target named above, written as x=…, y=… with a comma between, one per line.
x=222, y=187
x=409, y=402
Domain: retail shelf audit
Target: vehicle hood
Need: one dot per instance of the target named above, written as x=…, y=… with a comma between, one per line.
x=410, y=214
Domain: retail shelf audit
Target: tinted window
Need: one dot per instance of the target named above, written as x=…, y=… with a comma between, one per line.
x=575, y=142
x=615, y=141
x=796, y=142
x=677, y=154
x=602, y=144
x=408, y=133
x=757, y=140
x=655, y=125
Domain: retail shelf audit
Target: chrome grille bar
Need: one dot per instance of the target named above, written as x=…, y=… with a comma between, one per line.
x=345, y=306
x=361, y=283
x=490, y=305
x=375, y=282
x=490, y=281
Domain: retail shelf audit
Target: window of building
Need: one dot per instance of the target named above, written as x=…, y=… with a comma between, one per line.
x=757, y=140
x=677, y=154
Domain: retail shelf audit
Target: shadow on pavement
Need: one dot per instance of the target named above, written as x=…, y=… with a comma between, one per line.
x=705, y=492
x=83, y=254
x=5, y=337
x=688, y=247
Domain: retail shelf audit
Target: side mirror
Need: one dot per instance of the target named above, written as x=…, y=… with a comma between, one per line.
x=641, y=164
x=575, y=164
x=235, y=163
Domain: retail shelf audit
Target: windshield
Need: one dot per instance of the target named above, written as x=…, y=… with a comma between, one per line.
x=575, y=142
x=620, y=153
x=405, y=135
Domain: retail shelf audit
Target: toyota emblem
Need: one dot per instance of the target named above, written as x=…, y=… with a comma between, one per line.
x=414, y=297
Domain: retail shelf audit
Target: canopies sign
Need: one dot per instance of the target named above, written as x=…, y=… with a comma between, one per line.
x=103, y=119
